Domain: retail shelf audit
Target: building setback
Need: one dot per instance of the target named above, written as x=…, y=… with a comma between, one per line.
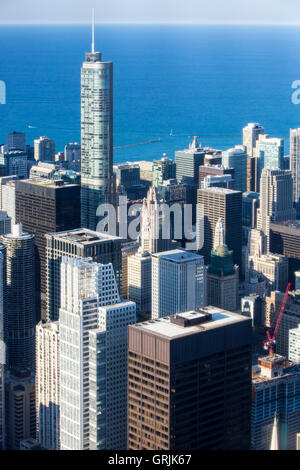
x=189, y=382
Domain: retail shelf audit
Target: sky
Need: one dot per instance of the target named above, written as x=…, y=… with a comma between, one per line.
x=151, y=11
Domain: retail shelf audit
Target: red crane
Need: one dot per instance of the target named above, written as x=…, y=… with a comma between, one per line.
x=270, y=342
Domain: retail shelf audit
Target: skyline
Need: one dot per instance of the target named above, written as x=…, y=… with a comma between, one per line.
x=197, y=12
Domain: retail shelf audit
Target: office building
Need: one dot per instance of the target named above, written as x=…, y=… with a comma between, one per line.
x=297, y=280
x=184, y=373
x=269, y=154
x=46, y=206
x=289, y=320
x=20, y=417
x=187, y=163
x=96, y=136
x=275, y=404
x=127, y=175
x=113, y=322
x=225, y=204
x=79, y=243
x=47, y=385
x=178, y=282
x=250, y=136
x=128, y=249
x=215, y=170
x=294, y=344
x=20, y=312
x=72, y=152
x=163, y=170
x=140, y=282
x=276, y=202
x=237, y=158
x=15, y=163
x=93, y=350
x=16, y=141
x=44, y=149
x=252, y=174
x=2, y=395
x=285, y=239
x=222, y=274
x=9, y=200
x=252, y=306
x=5, y=223
x=295, y=166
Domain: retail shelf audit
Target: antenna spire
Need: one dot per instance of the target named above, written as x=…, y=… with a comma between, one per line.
x=93, y=30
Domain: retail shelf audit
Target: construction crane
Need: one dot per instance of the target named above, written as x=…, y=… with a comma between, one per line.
x=270, y=342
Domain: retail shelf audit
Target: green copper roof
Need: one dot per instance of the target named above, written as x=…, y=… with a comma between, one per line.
x=221, y=262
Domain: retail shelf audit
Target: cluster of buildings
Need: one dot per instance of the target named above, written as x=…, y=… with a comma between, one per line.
x=109, y=342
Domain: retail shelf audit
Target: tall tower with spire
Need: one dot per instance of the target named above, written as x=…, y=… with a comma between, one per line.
x=96, y=135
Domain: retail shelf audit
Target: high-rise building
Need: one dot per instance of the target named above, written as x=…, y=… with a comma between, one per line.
x=275, y=397
x=2, y=395
x=276, y=202
x=16, y=141
x=44, y=149
x=47, y=384
x=178, y=282
x=163, y=170
x=225, y=204
x=19, y=312
x=250, y=137
x=269, y=154
x=45, y=206
x=15, y=162
x=140, y=281
x=113, y=322
x=294, y=344
x=128, y=249
x=222, y=275
x=295, y=166
x=237, y=158
x=79, y=243
x=215, y=170
x=93, y=349
x=187, y=163
x=9, y=200
x=184, y=373
x=20, y=417
x=290, y=318
x=72, y=152
x=285, y=239
x=96, y=136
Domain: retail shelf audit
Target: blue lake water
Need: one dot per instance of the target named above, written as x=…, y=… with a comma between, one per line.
x=196, y=80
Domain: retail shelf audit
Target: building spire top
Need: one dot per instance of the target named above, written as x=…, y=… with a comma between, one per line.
x=219, y=238
x=275, y=435
x=93, y=30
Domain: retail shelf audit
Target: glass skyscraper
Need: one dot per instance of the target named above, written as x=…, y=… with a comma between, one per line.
x=96, y=136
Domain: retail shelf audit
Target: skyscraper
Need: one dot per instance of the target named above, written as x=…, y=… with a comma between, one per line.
x=276, y=202
x=44, y=206
x=16, y=141
x=189, y=382
x=178, y=282
x=47, y=384
x=19, y=316
x=2, y=395
x=96, y=136
x=222, y=275
x=93, y=356
x=275, y=392
x=44, y=149
x=227, y=205
x=269, y=153
x=79, y=243
x=237, y=158
x=250, y=136
x=295, y=166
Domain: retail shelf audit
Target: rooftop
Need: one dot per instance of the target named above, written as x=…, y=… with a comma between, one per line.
x=220, y=190
x=47, y=182
x=198, y=320
x=82, y=236
x=178, y=256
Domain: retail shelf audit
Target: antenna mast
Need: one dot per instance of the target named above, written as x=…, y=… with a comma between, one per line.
x=93, y=30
